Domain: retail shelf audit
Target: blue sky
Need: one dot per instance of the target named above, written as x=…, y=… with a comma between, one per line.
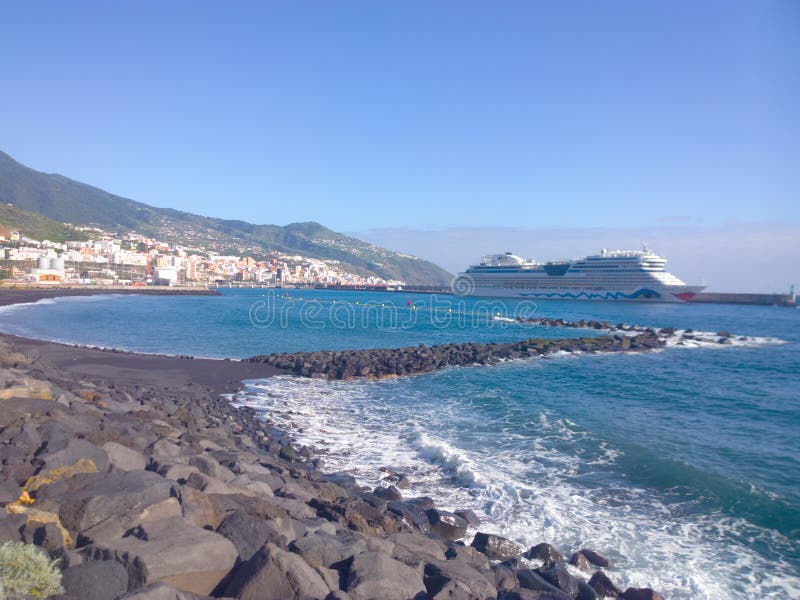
x=368, y=115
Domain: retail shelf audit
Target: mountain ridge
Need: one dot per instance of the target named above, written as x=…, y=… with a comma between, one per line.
x=66, y=200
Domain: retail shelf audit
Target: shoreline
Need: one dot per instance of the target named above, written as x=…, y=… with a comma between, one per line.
x=139, y=476
x=221, y=376
x=24, y=295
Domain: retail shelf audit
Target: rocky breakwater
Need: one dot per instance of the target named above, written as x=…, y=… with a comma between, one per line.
x=169, y=492
x=393, y=362
x=380, y=363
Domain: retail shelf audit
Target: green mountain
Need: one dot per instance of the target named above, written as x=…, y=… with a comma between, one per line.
x=68, y=201
x=36, y=226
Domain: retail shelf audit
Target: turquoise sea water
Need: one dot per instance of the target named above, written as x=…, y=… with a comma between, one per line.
x=680, y=464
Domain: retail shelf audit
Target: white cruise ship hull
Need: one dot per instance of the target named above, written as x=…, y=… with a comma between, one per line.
x=472, y=286
x=618, y=276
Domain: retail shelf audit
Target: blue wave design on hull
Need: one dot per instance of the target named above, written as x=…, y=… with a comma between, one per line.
x=643, y=293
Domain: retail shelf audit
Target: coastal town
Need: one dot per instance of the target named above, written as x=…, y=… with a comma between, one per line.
x=111, y=258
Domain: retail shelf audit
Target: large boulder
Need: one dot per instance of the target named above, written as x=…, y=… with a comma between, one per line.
x=324, y=550
x=469, y=516
x=531, y=580
x=446, y=524
x=454, y=579
x=373, y=575
x=495, y=546
x=161, y=591
x=585, y=592
x=579, y=561
x=96, y=580
x=101, y=498
x=469, y=555
x=59, y=455
x=173, y=551
x=544, y=552
x=274, y=574
x=119, y=525
x=505, y=577
x=558, y=576
x=639, y=594
x=415, y=549
x=604, y=587
x=595, y=558
x=124, y=458
x=249, y=533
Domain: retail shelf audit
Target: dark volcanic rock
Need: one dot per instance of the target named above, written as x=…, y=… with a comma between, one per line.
x=96, y=580
x=392, y=362
x=545, y=553
x=446, y=524
x=374, y=575
x=249, y=533
x=585, y=592
x=324, y=550
x=173, y=551
x=557, y=575
x=639, y=594
x=453, y=579
x=469, y=516
x=579, y=561
x=604, y=587
x=532, y=580
x=595, y=558
x=388, y=493
x=274, y=574
x=505, y=578
x=112, y=495
x=495, y=546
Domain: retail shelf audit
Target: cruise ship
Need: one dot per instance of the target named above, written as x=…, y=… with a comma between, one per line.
x=621, y=275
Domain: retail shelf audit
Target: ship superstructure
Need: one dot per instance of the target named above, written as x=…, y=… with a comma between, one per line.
x=637, y=275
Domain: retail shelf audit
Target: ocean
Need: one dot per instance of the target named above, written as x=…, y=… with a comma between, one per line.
x=681, y=464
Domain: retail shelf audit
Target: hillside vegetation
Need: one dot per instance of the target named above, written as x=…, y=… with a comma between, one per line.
x=67, y=201
x=34, y=225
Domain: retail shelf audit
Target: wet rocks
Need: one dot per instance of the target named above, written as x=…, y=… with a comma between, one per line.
x=603, y=586
x=639, y=594
x=579, y=561
x=544, y=552
x=446, y=524
x=558, y=576
x=495, y=547
x=393, y=362
x=595, y=558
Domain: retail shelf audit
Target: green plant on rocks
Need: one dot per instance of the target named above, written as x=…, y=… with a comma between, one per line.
x=27, y=570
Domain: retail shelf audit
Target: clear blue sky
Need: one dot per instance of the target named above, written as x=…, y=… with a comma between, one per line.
x=376, y=114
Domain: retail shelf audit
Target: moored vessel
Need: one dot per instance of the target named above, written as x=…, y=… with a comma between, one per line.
x=617, y=275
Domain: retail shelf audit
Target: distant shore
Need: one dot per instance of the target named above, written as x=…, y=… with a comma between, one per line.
x=19, y=295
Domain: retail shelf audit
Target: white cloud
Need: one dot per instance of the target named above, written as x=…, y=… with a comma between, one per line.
x=735, y=257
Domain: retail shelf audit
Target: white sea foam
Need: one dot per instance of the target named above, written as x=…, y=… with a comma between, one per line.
x=709, y=339
x=529, y=494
